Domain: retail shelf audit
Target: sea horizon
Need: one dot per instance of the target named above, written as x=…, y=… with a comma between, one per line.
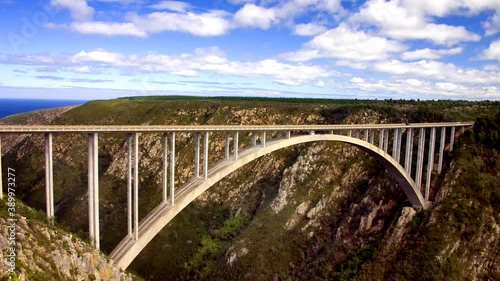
x=11, y=106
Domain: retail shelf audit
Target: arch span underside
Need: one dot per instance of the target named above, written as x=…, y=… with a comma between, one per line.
x=158, y=218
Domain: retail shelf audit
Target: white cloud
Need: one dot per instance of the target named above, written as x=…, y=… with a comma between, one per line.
x=175, y=6
x=346, y=44
x=492, y=25
x=438, y=71
x=209, y=60
x=108, y=28
x=398, y=22
x=430, y=54
x=254, y=16
x=79, y=9
x=492, y=53
x=308, y=29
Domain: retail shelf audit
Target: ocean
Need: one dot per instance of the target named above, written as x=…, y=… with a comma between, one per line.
x=13, y=106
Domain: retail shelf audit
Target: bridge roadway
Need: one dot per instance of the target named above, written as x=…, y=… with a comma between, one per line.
x=175, y=199
x=23, y=129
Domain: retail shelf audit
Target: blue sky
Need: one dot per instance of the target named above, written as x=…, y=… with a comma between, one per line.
x=99, y=49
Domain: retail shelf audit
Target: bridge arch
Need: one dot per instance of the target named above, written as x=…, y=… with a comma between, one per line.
x=158, y=218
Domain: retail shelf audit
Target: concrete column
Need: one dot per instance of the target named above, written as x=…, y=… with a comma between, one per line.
x=90, y=185
x=288, y=134
x=226, y=154
x=394, y=143
x=356, y=133
x=235, y=145
x=420, y=157
x=312, y=133
x=96, y=191
x=197, y=154
x=430, y=163
x=1, y=175
x=172, y=169
x=386, y=140
x=331, y=132
x=441, y=149
x=409, y=148
x=411, y=155
x=205, y=156
x=165, y=167
x=452, y=138
x=263, y=140
x=365, y=135
x=129, y=184
x=381, y=138
x=49, y=177
x=349, y=133
x=254, y=139
x=136, y=186
x=398, y=145
x=93, y=184
x=372, y=136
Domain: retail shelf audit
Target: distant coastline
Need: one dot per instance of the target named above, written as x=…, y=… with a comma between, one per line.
x=14, y=106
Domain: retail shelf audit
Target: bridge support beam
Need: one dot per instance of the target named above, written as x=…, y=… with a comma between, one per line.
x=129, y=185
x=205, y=156
x=409, y=148
x=288, y=134
x=136, y=186
x=226, y=153
x=420, y=158
x=452, y=138
x=1, y=175
x=386, y=140
x=254, y=139
x=49, y=177
x=372, y=136
x=441, y=149
x=165, y=167
x=365, y=135
x=235, y=145
x=263, y=139
x=197, y=154
x=398, y=144
x=430, y=163
x=93, y=183
x=356, y=133
x=381, y=138
x=349, y=133
x=172, y=169
x=394, y=143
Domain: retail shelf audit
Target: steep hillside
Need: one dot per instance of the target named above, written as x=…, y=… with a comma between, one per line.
x=310, y=212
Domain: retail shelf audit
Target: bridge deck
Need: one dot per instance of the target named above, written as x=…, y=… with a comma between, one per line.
x=21, y=129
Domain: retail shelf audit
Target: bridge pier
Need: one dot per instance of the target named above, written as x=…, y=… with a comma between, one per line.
x=254, y=139
x=93, y=183
x=205, y=156
x=381, y=138
x=197, y=154
x=372, y=136
x=398, y=144
x=263, y=139
x=356, y=133
x=136, y=186
x=236, y=146
x=441, y=149
x=172, y=168
x=409, y=148
x=165, y=167
x=365, y=135
x=129, y=185
x=420, y=158
x=226, y=150
x=452, y=138
x=49, y=177
x=386, y=140
x=430, y=163
x=289, y=134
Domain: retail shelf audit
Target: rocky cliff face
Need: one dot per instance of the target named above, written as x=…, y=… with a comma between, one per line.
x=310, y=212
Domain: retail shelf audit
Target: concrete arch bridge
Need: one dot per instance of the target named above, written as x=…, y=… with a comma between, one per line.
x=374, y=139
